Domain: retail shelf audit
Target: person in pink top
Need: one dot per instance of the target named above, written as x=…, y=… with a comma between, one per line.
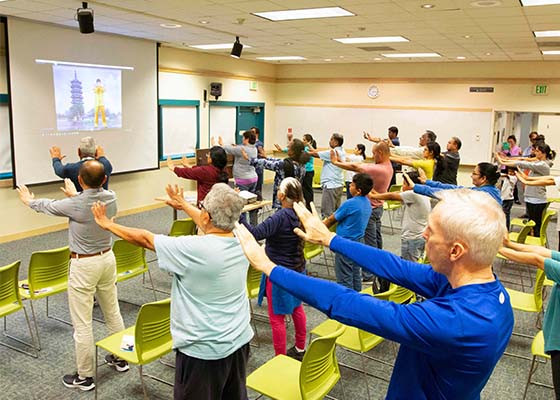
x=204, y=175
x=381, y=172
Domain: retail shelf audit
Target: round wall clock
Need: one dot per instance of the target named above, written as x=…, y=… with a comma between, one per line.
x=373, y=92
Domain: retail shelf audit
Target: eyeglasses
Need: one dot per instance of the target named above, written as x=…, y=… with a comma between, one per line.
x=204, y=208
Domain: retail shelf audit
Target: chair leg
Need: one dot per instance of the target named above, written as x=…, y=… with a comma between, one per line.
x=532, y=370
x=365, y=375
x=152, y=283
x=31, y=345
x=258, y=344
x=96, y=375
x=391, y=222
x=142, y=382
x=56, y=318
x=36, y=325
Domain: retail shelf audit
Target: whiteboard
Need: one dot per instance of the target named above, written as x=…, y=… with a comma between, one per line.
x=180, y=130
x=474, y=128
x=223, y=122
x=5, y=148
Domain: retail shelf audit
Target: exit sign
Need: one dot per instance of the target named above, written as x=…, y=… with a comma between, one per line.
x=540, y=90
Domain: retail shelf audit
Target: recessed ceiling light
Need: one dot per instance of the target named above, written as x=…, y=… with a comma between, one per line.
x=546, y=33
x=378, y=59
x=488, y=54
x=467, y=36
x=427, y=6
x=375, y=39
x=219, y=46
x=281, y=58
x=461, y=58
x=170, y=26
x=288, y=43
x=204, y=21
x=486, y=3
x=327, y=59
x=306, y=13
x=531, y=3
x=411, y=55
x=551, y=52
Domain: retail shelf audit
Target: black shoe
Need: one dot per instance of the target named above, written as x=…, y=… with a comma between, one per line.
x=295, y=353
x=117, y=363
x=74, y=381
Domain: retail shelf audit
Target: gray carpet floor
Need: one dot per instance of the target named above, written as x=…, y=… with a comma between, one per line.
x=23, y=377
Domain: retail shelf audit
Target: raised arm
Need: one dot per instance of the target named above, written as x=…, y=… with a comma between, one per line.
x=504, y=161
x=140, y=237
x=385, y=196
x=401, y=160
x=349, y=166
x=535, y=180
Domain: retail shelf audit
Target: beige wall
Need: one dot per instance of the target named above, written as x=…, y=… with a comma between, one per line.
x=402, y=85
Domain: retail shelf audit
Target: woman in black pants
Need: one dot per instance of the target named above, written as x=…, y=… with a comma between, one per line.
x=307, y=184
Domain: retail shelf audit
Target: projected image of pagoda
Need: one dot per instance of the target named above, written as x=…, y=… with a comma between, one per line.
x=87, y=98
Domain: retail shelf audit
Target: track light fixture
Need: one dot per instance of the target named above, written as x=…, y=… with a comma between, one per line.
x=84, y=16
x=237, y=48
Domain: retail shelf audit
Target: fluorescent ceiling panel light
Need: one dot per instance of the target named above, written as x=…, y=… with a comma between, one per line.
x=531, y=3
x=170, y=26
x=55, y=62
x=546, y=33
x=281, y=58
x=377, y=39
x=411, y=55
x=220, y=46
x=551, y=52
x=306, y=13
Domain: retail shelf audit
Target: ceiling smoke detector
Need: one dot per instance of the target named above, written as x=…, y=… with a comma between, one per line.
x=486, y=3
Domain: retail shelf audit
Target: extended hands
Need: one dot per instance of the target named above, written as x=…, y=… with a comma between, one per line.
x=176, y=196
x=55, y=152
x=408, y=180
x=99, y=211
x=315, y=231
x=69, y=188
x=24, y=194
x=170, y=164
x=99, y=152
x=334, y=156
x=253, y=251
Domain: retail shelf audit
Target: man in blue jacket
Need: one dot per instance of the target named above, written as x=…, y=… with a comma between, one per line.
x=451, y=342
x=86, y=151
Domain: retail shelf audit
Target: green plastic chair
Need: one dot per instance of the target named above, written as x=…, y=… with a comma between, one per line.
x=541, y=240
x=537, y=349
x=391, y=206
x=47, y=275
x=521, y=236
x=10, y=302
x=131, y=262
x=311, y=379
x=253, y=286
x=183, y=227
x=359, y=341
x=152, y=340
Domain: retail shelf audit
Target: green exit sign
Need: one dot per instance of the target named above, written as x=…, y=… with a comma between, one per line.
x=540, y=90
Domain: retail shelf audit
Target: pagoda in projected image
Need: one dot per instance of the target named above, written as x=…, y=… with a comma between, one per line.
x=76, y=112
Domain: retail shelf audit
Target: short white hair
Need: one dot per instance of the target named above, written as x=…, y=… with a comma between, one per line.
x=224, y=206
x=474, y=218
x=87, y=146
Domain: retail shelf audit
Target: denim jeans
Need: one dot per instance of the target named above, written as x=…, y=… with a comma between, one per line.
x=412, y=249
x=348, y=272
x=373, y=234
x=253, y=215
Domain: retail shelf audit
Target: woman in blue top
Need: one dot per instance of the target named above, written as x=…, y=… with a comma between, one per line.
x=307, y=184
x=484, y=178
x=284, y=247
x=549, y=261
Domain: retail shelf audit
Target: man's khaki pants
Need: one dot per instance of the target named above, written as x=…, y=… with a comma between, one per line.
x=88, y=276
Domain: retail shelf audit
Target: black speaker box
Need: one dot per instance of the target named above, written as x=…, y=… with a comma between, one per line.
x=85, y=20
x=216, y=89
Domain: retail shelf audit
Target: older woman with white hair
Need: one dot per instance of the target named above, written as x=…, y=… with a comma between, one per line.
x=284, y=247
x=210, y=317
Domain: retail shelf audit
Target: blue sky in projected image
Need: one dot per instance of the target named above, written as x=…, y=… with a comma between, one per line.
x=110, y=78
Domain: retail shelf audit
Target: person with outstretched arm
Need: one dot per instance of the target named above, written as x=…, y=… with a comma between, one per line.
x=451, y=342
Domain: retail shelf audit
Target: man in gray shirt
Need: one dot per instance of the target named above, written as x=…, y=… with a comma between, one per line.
x=92, y=265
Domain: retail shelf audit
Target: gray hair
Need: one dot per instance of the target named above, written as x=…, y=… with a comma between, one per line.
x=291, y=188
x=87, y=147
x=224, y=206
x=475, y=218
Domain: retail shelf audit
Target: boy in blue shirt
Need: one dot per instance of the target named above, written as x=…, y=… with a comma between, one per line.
x=352, y=218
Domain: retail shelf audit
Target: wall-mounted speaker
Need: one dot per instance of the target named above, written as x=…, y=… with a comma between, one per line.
x=216, y=89
x=84, y=16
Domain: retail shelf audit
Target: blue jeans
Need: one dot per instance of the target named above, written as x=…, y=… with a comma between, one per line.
x=348, y=272
x=253, y=215
x=412, y=249
x=373, y=234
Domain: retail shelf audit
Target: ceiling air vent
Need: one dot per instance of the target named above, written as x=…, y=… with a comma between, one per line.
x=377, y=48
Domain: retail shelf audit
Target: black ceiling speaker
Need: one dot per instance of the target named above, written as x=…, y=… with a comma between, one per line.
x=237, y=48
x=84, y=16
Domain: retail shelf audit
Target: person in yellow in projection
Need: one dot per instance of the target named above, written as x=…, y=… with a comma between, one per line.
x=99, y=90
